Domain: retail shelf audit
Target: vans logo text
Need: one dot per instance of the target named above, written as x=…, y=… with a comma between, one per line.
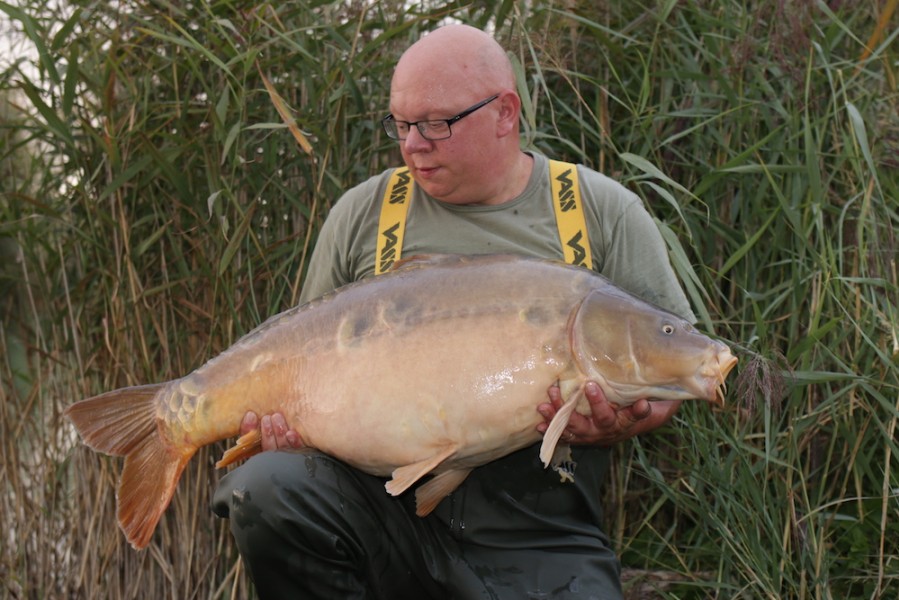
x=388, y=253
x=566, y=195
x=398, y=191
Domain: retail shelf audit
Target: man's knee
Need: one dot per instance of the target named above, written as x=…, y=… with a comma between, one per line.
x=271, y=482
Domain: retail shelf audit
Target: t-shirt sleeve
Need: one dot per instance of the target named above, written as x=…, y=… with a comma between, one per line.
x=344, y=249
x=325, y=271
x=638, y=260
x=633, y=253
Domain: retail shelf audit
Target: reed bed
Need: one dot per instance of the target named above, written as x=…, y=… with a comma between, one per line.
x=165, y=169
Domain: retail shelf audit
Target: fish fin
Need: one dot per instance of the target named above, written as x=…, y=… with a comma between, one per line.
x=124, y=422
x=557, y=426
x=405, y=476
x=114, y=422
x=246, y=446
x=429, y=495
x=149, y=479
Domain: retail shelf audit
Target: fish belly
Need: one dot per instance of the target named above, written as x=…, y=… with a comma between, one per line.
x=395, y=400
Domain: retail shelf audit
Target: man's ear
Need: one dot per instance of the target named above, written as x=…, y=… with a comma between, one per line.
x=509, y=111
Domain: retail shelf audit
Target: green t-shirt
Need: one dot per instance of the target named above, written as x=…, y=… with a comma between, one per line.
x=626, y=245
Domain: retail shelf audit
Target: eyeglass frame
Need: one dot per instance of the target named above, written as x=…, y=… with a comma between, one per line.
x=449, y=122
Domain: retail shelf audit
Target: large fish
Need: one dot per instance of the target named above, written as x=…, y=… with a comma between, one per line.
x=434, y=368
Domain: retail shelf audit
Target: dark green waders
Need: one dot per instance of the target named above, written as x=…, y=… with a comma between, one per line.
x=309, y=526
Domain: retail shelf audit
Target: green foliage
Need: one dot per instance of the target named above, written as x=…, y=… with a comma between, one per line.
x=154, y=205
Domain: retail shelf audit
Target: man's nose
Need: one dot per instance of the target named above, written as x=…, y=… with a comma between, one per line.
x=415, y=142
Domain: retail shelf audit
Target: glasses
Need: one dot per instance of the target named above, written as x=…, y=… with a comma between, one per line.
x=437, y=129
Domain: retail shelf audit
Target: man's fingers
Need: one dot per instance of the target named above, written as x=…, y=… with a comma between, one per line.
x=249, y=423
x=293, y=439
x=274, y=431
x=279, y=426
x=606, y=423
x=603, y=414
x=555, y=395
x=268, y=434
x=641, y=409
x=594, y=392
x=637, y=411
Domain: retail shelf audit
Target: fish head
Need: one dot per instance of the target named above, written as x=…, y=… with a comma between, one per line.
x=635, y=350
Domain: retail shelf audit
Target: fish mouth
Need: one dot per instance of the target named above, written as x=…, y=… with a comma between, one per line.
x=725, y=362
x=709, y=382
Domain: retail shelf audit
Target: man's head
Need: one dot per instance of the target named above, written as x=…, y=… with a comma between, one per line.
x=446, y=72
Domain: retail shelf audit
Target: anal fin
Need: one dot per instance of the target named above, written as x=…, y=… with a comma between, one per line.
x=405, y=476
x=428, y=496
x=246, y=446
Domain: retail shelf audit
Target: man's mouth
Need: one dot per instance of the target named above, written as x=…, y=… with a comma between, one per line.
x=426, y=171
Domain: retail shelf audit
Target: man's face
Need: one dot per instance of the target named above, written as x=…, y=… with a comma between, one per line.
x=454, y=169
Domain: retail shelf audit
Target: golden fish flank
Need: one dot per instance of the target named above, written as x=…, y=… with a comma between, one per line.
x=463, y=349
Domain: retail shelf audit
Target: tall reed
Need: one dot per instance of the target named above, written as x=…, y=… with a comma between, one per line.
x=155, y=205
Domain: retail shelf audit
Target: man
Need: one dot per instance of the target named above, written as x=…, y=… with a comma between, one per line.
x=309, y=526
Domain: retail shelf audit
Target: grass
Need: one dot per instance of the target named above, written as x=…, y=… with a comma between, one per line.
x=155, y=205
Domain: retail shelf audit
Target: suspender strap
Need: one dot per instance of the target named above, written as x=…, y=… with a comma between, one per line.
x=566, y=204
x=392, y=222
x=570, y=214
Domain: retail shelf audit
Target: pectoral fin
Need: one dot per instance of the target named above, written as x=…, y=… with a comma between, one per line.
x=558, y=424
x=404, y=477
x=428, y=496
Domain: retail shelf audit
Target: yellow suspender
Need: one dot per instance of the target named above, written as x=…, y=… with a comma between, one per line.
x=566, y=203
x=570, y=214
x=392, y=223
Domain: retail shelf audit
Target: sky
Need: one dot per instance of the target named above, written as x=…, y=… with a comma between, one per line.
x=12, y=42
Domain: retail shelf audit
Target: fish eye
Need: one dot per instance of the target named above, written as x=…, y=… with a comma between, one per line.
x=668, y=329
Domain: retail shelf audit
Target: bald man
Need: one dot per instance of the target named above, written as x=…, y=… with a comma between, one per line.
x=309, y=526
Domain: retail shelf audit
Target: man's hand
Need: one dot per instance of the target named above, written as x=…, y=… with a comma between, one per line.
x=275, y=433
x=608, y=423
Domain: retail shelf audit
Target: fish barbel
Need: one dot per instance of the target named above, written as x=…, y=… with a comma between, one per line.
x=432, y=369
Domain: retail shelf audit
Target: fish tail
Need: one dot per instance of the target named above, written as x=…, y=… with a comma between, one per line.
x=124, y=422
